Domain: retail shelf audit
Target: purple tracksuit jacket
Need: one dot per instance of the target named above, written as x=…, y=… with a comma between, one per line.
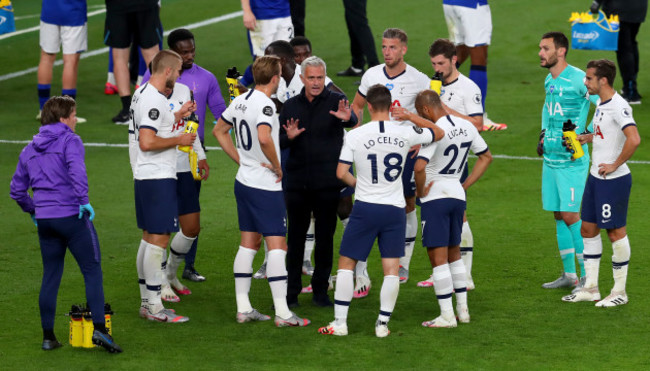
x=52, y=165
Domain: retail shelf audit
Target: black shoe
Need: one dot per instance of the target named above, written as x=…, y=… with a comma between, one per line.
x=105, y=341
x=634, y=98
x=51, y=344
x=351, y=71
x=322, y=302
x=192, y=275
x=121, y=118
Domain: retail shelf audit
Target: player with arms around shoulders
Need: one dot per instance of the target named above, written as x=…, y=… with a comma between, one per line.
x=563, y=178
x=607, y=193
x=154, y=172
x=438, y=172
x=260, y=202
x=404, y=83
x=379, y=150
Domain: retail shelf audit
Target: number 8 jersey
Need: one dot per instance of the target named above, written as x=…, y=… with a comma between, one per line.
x=246, y=113
x=378, y=150
x=448, y=156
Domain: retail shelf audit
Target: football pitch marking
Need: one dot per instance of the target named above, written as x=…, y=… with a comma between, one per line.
x=124, y=145
x=95, y=52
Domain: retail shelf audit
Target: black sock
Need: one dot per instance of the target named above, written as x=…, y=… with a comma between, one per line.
x=101, y=327
x=126, y=103
x=49, y=334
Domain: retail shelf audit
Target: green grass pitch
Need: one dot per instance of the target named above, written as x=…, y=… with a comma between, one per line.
x=515, y=323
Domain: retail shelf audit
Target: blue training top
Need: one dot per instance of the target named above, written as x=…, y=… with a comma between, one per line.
x=64, y=12
x=270, y=9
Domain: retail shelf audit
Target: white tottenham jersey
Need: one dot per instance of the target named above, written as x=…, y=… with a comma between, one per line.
x=378, y=150
x=610, y=118
x=245, y=114
x=448, y=156
x=463, y=96
x=150, y=110
x=403, y=87
x=180, y=95
x=295, y=86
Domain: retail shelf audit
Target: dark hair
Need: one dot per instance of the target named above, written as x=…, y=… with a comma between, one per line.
x=604, y=68
x=378, y=96
x=264, y=68
x=300, y=40
x=426, y=98
x=57, y=108
x=396, y=33
x=559, y=40
x=180, y=34
x=282, y=49
x=444, y=47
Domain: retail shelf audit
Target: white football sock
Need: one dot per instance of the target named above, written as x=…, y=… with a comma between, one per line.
x=467, y=247
x=388, y=297
x=620, y=262
x=443, y=286
x=459, y=277
x=592, y=253
x=309, y=240
x=152, y=265
x=111, y=78
x=266, y=253
x=276, y=271
x=180, y=245
x=163, y=269
x=343, y=294
x=139, y=263
x=243, y=269
x=361, y=269
x=409, y=242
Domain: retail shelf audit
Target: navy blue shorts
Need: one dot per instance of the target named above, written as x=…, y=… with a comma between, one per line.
x=442, y=222
x=156, y=207
x=368, y=222
x=605, y=201
x=408, y=177
x=187, y=192
x=261, y=211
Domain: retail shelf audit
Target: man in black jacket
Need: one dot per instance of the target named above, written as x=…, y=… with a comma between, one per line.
x=631, y=14
x=313, y=125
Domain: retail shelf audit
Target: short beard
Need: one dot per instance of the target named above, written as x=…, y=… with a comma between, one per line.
x=169, y=84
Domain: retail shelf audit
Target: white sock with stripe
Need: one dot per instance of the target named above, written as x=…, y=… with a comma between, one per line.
x=276, y=271
x=243, y=269
x=343, y=295
x=620, y=262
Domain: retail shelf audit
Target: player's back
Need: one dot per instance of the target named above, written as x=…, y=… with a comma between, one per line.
x=448, y=156
x=246, y=113
x=379, y=151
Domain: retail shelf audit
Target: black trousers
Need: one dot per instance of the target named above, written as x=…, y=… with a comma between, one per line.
x=300, y=206
x=362, y=44
x=627, y=55
x=298, y=16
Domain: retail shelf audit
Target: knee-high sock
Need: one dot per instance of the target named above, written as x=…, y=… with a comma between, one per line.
x=467, y=248
x=620, y=261
x=163, y=269
x=388, y=297
x=276, y=271
x=266, y=253
x=345, y=223
x=443, y=286
x=139, y=265
x=578, y=244
x=478, y=74
x=153, y=275
x=243, y=269
x=409, y=242
x=459, y=278
x=565, y=244
x=181, y=244
x=592, y=253
x=343, y=294
x=309, y=240
x=361, y=269
x=43, y=94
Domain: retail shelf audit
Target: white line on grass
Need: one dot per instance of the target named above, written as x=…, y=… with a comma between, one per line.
x=95, y=52
x=21, y=17
x=124, y=145
x=36, y=28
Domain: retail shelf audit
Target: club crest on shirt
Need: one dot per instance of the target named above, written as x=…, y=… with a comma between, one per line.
x=626, y=113
x=267, y=111
x=154, y=114
x=551, y=88
x=418, y=129
x=477, y=98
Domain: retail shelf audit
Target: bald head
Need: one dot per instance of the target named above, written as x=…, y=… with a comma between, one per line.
x=427, y=98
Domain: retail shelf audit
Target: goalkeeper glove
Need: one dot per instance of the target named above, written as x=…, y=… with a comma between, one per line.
x=540, y=143
x=86, y=209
